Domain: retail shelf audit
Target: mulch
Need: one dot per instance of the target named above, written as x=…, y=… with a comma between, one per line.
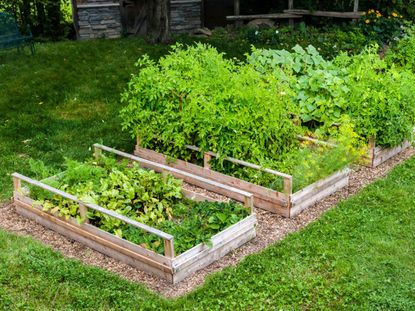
x=270, y=229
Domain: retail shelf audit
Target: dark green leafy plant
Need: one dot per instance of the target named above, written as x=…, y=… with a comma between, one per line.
x=141, y=195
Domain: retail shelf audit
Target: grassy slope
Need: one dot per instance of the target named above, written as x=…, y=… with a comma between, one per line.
x=66, y=97
x=62, y=100
x=357, y=256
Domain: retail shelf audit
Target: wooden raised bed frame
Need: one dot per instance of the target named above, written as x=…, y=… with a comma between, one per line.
x=168, y=266
x=378, y=155
x=286, y=203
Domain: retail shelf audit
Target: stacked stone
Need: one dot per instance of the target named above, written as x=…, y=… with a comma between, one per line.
x=99, y=19
x=185, y=15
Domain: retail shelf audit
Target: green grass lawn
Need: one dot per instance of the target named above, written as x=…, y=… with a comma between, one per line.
x=359, y=255
x=61, y=101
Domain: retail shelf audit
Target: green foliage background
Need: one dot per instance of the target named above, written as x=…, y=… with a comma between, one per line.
x=50, y=19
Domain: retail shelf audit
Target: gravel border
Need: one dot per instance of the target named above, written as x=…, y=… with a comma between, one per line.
x=270, y=228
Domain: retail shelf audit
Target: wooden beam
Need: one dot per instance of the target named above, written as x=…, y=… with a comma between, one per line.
x=326, y=13
x=237, y=11
x=236, y=7
x=266, y=16
x=290, y=7
x=243, y=163
x=356, y=6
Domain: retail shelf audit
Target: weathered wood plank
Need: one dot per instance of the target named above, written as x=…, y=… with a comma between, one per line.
x=311, y=190
x=242, y=163
x=101, y=233
x=323, y=193
x=258, y=191
x=351, y=15
x=93, y=241
x=381, y=155
x=211, y=255
x=260, y=16
x=194, y=179
x=228, y=233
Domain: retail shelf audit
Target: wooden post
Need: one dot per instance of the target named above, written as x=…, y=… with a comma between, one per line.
x=355, y=9
x=169, y=248
x=237, y=11
x=206, y=161
x=288, y=186
x=83, y=210
x=249, y=203
x=291, y=7
x=137, y=143
x=75, y=18
x=17, y=183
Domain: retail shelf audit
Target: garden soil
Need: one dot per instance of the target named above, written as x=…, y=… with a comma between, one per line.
x=271, y=228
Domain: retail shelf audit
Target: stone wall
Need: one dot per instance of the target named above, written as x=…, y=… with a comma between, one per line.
x=185, y=16
x=99, y=19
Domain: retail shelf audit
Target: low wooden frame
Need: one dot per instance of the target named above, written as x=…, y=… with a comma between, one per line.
x=378, y=155
x=286, y=203
x=169, y=266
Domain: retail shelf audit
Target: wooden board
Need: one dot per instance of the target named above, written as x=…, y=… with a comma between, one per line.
x=264, y=198
x=222, y=243
x=320, y=193
x=259, y=192
x=379, y=155
x=102, y=245
x=262, y=16
x=351, y=15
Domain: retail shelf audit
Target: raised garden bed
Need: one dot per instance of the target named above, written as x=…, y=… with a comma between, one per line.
x=169, y=265
x=378, y=155
x=286, y=203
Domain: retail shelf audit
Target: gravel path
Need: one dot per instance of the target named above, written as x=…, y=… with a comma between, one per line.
x=270, y=229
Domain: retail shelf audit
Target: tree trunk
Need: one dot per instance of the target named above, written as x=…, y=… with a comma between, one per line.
x=158, y=20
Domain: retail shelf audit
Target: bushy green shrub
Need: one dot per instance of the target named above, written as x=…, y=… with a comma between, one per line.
x=362, y=89
x=195, y=96
x=380, y=100
x=329, y=41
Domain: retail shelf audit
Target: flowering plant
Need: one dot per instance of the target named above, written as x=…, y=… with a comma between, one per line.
x=382, y=28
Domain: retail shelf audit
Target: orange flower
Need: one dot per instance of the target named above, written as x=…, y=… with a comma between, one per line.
x=394, y=14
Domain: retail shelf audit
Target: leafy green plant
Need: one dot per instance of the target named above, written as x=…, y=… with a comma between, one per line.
x=195, y=96
x=243, y=110
x=380, y=101
x=403, y=52
x=319, y=86
x=141, y=195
